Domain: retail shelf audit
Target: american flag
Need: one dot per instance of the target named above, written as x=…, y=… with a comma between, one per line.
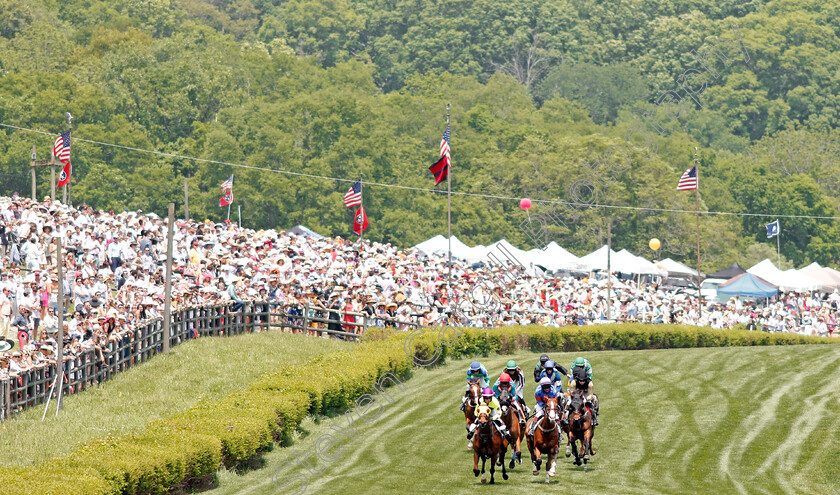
x=228, y=184
x=61, y=149
x=354, y=195
x=688, y=181
x=444, y=143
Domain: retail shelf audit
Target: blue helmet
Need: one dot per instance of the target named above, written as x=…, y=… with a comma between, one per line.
x=549, y=365
x=475, y=366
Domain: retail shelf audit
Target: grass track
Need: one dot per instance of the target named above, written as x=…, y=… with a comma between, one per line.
x=744, y=420
x=203, y=368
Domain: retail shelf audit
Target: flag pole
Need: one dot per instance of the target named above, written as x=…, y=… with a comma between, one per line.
x=697, y=200
x=361, y=207
x=779, y=244
x=449, y=210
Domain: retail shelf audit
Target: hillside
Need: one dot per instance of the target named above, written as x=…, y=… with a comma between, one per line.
x=540, y=91
x=672, y=421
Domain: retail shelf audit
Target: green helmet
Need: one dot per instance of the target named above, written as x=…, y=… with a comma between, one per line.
x=579, y=362
x=511, y=365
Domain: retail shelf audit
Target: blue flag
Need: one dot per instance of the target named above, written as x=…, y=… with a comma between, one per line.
x=772, y=229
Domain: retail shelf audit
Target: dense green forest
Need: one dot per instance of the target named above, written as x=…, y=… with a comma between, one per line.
x=540, y=91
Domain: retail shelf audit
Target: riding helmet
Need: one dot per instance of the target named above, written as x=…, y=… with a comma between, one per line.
x=579, y=362
x=549, y=365
x=511, y=365
x=475, y=366
x=544, y=358
x=505, y=378
x=545, y=381
x=487, y=392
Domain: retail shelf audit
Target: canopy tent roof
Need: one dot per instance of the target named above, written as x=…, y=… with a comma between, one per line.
x=789, y=280
x=829, y=278
x=748, y=285
x=553, y=257
x=728, y=272
x=675, y=267
x=622, y=261
x=305, y=232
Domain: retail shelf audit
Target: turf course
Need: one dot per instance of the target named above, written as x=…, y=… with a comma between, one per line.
x=203, y=368
x=758, y=420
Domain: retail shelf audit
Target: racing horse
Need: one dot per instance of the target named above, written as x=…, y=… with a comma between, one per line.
x=511, y=420
x=579, y=428
x=489, y=444
x=546, y=438
x=472, y=402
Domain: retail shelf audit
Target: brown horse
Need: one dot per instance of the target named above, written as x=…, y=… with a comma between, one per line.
x=472, y=402
x=489, y=444
x=511, y=420
x=546, y=438
x=579, y=429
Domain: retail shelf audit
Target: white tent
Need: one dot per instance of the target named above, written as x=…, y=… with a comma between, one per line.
x=597, y=260
x=433, y=245
x=830, y=278
x=555, y=257
x=675, y=267
x=789, y=280
x=637, y=264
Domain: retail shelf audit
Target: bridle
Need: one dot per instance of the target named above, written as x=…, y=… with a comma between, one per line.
x=549, y=412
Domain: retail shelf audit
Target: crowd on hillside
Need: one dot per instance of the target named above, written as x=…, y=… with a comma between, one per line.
x=113, y=267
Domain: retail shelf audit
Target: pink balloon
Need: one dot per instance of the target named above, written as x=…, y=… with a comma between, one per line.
x=525, y=203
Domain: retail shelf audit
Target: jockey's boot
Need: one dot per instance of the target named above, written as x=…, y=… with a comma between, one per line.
x=464, y=403
x=503, y=430
x=593, y=413
x=534, y=424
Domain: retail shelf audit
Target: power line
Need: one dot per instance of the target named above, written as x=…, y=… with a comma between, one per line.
x=423, y=189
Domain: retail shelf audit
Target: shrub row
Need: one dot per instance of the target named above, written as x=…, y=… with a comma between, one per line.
x=620, y=336
x=191, y=445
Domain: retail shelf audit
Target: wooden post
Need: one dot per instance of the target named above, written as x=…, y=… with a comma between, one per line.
x=167, y=305
x=186, y=200
x=609, y=273
x=59, y=362
x=52, y=181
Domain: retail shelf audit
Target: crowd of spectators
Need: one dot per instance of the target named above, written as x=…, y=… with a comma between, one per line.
x=113, y=265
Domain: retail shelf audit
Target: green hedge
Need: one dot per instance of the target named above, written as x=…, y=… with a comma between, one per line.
x=193, y=444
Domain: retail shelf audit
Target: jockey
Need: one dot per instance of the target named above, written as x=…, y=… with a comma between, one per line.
x=505, y=383
x=538, y=369
x=489, y=398
x=581, y=374
x=545, y=390
x=476, y=371
x=518, y=378
x=556, y=376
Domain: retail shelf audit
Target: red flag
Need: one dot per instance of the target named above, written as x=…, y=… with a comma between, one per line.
x=64, y=177
x=440, y=169
x=360, y=221
x=226, y=199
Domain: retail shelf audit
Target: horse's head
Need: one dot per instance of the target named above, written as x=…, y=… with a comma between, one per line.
x=482, y=414
x=550, y=404
x=475, y=391
x=576, y=408
x=504, y=396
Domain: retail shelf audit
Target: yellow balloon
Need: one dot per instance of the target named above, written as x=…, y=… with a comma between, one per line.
x=654, y=244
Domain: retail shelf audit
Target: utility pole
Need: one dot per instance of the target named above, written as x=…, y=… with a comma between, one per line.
x=609, y=272
x=33, y=163
x=186, y=200
x=69, y=189
x=167, y=305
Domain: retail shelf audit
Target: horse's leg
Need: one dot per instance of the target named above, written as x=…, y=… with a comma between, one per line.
x=484, y=476
x=575, y=452
x=493, y=459
x=504, y=471
x=568, y=443
x=536, y=458
x=475, y=464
